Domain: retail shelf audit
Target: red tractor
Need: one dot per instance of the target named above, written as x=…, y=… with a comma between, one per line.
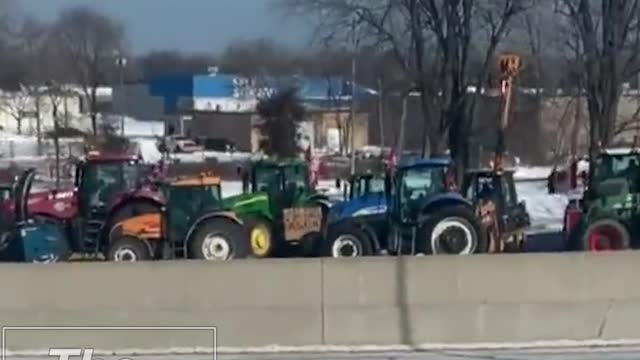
x=108, y=188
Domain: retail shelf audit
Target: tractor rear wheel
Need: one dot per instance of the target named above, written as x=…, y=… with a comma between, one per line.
x=347, y=240
x=606, y=235
x=453, y=230
x=129, y=249
x=218, y=239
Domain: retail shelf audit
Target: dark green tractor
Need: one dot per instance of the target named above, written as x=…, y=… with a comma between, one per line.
x=194, y=224
x=281, y=211
x=607, y=218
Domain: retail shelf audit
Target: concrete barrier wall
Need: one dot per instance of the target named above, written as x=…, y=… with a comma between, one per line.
x=299, y=302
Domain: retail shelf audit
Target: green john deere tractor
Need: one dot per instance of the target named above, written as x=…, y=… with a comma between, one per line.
x=280, y=209
x=608, y=215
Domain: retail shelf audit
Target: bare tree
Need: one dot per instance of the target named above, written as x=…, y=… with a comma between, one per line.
x=88, y=41
x=17, y=105
x=434, y=42
x=609, y=44
x=33, y=36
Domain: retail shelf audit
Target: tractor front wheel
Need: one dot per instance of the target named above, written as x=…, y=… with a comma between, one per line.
x=260, y=236
x=453, y=231
x=347, y=241
x=606, y=235
x=129, y=249
x=218, y=239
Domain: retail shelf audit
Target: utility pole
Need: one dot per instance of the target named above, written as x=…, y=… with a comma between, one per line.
x=353, y=97
x=121, y=62
x=509, y=67
x=381, y=111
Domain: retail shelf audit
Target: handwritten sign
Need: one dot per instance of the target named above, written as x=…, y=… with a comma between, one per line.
x=299, y=222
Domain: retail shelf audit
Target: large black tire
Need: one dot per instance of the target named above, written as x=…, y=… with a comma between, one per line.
x=218, y=239
x=129, y=249
x=260, y=234
x=347, y=240
x=452, y=230
x=606, y=235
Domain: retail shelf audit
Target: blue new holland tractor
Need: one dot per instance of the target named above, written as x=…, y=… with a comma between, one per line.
x=418, y=213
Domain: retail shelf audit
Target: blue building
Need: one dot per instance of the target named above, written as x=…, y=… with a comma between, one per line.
x=232, y=93
x=223, y=106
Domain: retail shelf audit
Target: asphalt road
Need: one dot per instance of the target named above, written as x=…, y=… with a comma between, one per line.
x=539, y=354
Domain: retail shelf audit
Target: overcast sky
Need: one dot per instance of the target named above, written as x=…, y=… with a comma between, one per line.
x=200, y=25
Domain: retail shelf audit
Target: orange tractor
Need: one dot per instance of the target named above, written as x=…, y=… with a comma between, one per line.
x=193, y=224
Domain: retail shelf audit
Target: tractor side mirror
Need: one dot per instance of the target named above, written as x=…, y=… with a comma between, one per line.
x=338, y=183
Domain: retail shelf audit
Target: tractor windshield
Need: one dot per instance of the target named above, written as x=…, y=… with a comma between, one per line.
x=105, y=179
x=270, y=177
x=421, y=182
x=266, y=178
x=368, y=184
x=296, y=176
x=625, y=166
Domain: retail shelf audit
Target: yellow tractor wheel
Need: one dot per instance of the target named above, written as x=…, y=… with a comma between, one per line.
x=261, y=239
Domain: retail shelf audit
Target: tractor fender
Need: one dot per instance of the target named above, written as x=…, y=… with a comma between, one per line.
x=445, y=200
x=127, y=201
x=217, y=214
x=322, y=201
x=112, y=223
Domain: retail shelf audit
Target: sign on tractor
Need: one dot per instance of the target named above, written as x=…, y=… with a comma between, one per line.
x=299, y=222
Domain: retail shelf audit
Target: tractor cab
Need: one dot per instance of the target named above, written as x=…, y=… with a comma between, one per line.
x=100, y=177
x=187, y=199
x=413, y=185
x=285, y=182
x=495, y=197
x=361, y=185
x=617, y=174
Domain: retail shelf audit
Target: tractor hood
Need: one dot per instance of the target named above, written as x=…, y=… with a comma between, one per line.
x=370, y=204
x=244, y=202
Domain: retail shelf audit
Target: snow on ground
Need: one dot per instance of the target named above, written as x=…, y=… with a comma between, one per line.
x=148, y=149
x=200, y=156
x=546, y=210
x=532, y=172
